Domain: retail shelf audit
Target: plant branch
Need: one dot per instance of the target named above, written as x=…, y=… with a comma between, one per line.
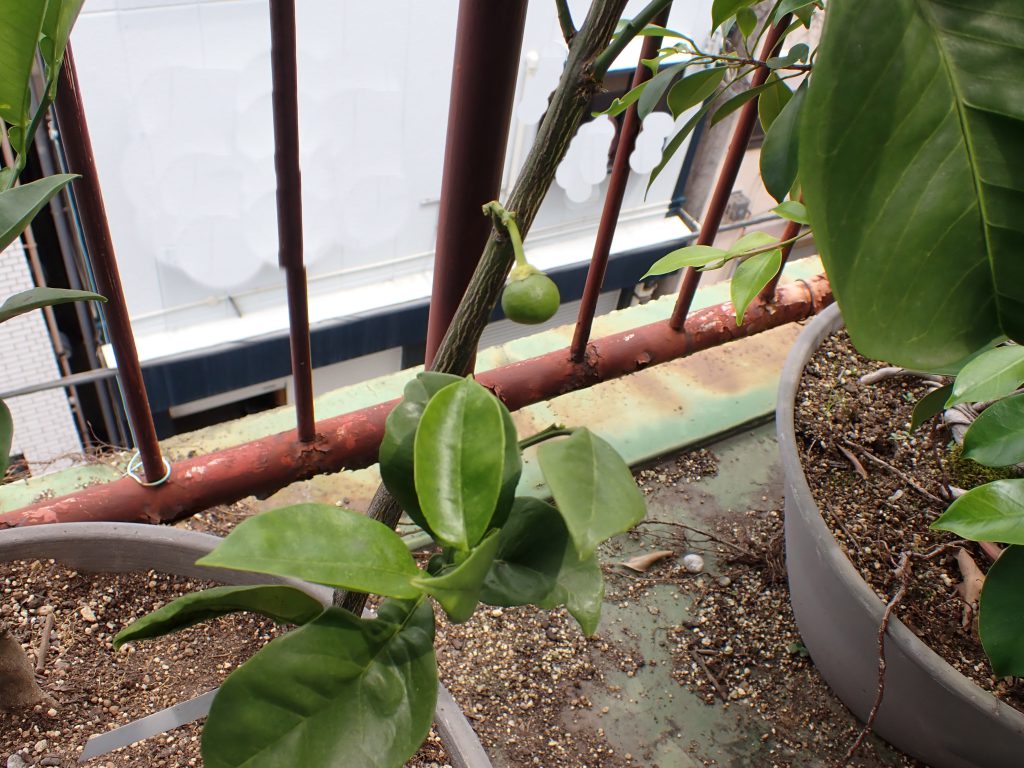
x=631, y=30
x=555, y=430
x=565, y=20
x=566, y=110
x=507, y=221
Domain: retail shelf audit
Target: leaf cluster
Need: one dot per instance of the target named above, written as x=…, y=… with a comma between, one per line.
x=340, y=683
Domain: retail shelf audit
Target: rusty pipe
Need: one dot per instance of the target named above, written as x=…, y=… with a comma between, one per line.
x=351, y=441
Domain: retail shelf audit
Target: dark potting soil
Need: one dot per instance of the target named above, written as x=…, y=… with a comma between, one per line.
x=880, y=486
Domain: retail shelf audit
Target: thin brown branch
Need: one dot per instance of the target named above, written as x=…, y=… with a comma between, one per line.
x=903, y=574
x=565, y=20
x=709, y=674
x=857, y=466
x=44, y=643
x=898, y=472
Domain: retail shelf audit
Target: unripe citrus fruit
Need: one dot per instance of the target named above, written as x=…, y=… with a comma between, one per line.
x=530, y=297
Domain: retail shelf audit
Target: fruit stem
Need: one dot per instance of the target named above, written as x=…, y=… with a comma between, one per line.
x=555, y=430
x=507, y=220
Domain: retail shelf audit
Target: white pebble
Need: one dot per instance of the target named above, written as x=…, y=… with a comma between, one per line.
x=693, y=563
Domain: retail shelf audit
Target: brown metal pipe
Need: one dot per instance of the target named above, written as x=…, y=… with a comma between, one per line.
x=727, y=177
x=351, y=441
x=487, y=45
x=791, y=231
x=78, y=149
x=613, y=201
x=284, y=67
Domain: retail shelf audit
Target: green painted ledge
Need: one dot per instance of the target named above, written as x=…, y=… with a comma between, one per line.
x=644, y=415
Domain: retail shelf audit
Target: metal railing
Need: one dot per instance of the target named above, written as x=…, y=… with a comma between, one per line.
x=351, y=441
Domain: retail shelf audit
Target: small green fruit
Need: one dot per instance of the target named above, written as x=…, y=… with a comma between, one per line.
x=530, y=297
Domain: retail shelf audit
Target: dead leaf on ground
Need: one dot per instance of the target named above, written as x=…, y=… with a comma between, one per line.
x=970, y=588
x=641, y=563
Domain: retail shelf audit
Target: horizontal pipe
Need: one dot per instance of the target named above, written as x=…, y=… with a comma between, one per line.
x=351, y=441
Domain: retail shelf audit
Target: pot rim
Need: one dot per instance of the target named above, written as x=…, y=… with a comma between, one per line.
x=824, y=324
x=177, y=549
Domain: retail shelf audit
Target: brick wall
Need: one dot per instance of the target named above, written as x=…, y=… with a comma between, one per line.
x=44, y=428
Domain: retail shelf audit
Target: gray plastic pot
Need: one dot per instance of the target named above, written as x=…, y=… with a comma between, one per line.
x=930, y=710
x=127, y=547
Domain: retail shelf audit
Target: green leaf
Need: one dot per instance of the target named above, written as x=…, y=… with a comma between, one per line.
x=337, y=691
x=1000, y=611
x=930, y=405
x=656, y=88
x=283, y=604
x=460, y=462
x=324, y=544
x=996, y=438
x=19, y=36
x=991, y=375
x=35, y=298
x=458, y=588
x=690, y=256
x=593, y=488
x=19, y=205
x=752, y=241
x=722, y=10
x=580, y=588
x=798, y=52
x=693, y=89
x=6, y=438
x=791, y=6
x=914, y=178
x=677, y=141
x=531, y=548
x=746, y=20
x=397, y=455
x=750, y=278
x=738, y=101
x=779, y=153
x=772, y=101
x=60, y=18
x=990, y=512
x=792, y=210
x=621, y=104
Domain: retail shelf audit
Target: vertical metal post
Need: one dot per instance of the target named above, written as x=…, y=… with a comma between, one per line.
x=613, y=201
x=487, y=45
x=283, y=59
x=792, y=230
x=78, y=149
x=727, y=177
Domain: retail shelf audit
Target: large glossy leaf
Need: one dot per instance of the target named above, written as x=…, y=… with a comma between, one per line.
x=324, y=544
x=531, y=548
x=593, y=488
x=990, y=512
x=656, y=88
x=991, y=375
x=60, y=18
x=913, y=176
x=19, y=36
x=19, y=205
x=721, y=10
x=781, y=144
x=690, y=256
x=283, y=604
x=339, y=691
x=6, y=437
x=792, y=210
x=996, y=438
x=460, y=462
x=396, y=449
x=458, y=587
x=750, y=278
x=35, y=298
x=1001, y=611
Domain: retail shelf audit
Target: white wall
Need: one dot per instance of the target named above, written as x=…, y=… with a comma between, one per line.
x=44, y=429
x=178, y=98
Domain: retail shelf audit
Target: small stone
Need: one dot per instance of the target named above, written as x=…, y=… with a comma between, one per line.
x=16, y=761
x=693, y=563
x=87, y=614
x=51, y=712
x=40, y=745
x=51, y=760
x=724, y=581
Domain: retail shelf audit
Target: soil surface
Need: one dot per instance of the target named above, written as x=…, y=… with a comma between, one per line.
x=880, y=487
